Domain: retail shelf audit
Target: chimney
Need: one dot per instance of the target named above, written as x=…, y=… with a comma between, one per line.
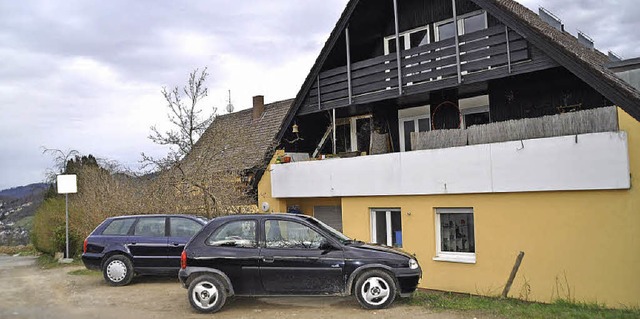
x=258, y=106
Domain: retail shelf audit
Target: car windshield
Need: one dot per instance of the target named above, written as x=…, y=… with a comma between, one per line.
x=330, y=230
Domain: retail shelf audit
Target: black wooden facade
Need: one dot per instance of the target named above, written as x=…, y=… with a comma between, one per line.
x=520, y=80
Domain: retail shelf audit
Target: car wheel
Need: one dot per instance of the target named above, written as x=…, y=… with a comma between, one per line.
x=375, y=289
x=118, y=270
x=207, y=294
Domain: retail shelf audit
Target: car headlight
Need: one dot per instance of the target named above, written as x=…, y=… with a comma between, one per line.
x=413, y=264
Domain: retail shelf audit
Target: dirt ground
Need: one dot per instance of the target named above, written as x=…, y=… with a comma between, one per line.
x=29, y=292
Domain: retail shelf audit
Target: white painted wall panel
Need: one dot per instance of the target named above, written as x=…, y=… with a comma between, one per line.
x=596, y=161
x=585, y=162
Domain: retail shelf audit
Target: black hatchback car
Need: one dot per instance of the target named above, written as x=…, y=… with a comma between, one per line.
x=285, y=254
x=146, y=245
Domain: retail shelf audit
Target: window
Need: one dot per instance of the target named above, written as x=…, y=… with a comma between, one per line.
x=183, y=227
x=119, y=227
x=240, y=233
x=475, y=111
x=386, y=227
x=467, y=23
x=150, y=227
x=455, y=235
x=286, y=234
x=408, y=39
x=353, y=134
x=417, y=119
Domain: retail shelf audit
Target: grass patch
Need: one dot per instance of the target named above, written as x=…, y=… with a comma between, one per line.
x=46, y=261
x=20, y=250
x=84, y=272
x=512, y=308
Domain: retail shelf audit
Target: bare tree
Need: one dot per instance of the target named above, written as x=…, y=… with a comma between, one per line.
x=60, y=159
x=187, y=118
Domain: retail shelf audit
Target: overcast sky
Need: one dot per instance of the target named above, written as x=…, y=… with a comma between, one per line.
x=87, y=75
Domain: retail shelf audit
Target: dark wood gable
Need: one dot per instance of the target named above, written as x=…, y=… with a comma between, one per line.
x=366, y=76
x=371, y=76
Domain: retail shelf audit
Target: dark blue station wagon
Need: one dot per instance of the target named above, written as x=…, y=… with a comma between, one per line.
x=145, y=245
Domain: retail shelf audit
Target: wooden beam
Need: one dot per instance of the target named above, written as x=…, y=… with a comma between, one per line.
x=346, y=36
x=398, y=49
x=455, y=28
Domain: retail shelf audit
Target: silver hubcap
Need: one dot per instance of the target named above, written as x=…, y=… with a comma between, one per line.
x=205, y=295
x=116, y=271
x=375, y=291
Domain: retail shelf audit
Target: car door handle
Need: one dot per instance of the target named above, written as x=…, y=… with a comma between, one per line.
x=268, y=259
x=176, y=244
x=132, y=244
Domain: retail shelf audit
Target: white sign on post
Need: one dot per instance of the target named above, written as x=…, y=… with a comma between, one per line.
x=67, y=184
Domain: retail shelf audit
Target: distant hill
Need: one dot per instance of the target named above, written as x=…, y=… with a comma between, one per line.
x=17, y=207
x=23, y=191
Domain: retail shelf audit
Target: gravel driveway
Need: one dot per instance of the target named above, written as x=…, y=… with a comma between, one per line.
x=29, y=292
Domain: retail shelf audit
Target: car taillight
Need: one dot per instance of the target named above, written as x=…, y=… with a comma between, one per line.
x=84, y=246
x=183, y=260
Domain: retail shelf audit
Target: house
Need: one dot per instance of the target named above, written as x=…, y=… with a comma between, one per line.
x=492, y=131
x=224, y=162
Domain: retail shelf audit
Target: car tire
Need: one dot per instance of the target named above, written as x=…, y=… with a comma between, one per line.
x=117, y=270
x=375, y=289
x=207, y=294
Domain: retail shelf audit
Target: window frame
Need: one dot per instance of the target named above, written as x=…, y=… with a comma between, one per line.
x=461, y=30
x=353, y=131
x=132, y=231
x=417, y=115
x=127, y=233
x=478, y=109
x=171, y=225
x=264, y=227
x=215, y=231
x=406, y=36
x=388, y=228
x=447, y=256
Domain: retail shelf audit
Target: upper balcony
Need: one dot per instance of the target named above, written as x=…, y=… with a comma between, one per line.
x=483, y=55
x=573, y=151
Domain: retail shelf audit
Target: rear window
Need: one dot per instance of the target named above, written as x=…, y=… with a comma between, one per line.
x=119, y=227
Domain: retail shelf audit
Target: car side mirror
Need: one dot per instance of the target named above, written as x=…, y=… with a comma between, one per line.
x=327, y=246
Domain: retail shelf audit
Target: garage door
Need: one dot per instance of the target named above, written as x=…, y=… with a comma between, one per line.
x=330, y=215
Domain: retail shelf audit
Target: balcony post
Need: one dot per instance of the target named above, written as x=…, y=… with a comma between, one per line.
x=398, y=56
x=334, y=131
x=506, y=32
x=346, y=33
x=319, y=99
x=455, y=26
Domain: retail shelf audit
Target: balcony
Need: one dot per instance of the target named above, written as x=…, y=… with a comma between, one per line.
x=594, y=161
x=485, y=54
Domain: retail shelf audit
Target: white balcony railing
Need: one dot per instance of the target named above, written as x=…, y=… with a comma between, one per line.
x=597, y=161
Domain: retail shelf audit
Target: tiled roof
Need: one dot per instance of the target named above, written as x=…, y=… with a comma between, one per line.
x=237, y=142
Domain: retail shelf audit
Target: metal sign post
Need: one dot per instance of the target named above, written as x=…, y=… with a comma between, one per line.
x=67, y=184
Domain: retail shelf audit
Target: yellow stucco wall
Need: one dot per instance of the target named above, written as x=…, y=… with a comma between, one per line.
x=582, y=245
